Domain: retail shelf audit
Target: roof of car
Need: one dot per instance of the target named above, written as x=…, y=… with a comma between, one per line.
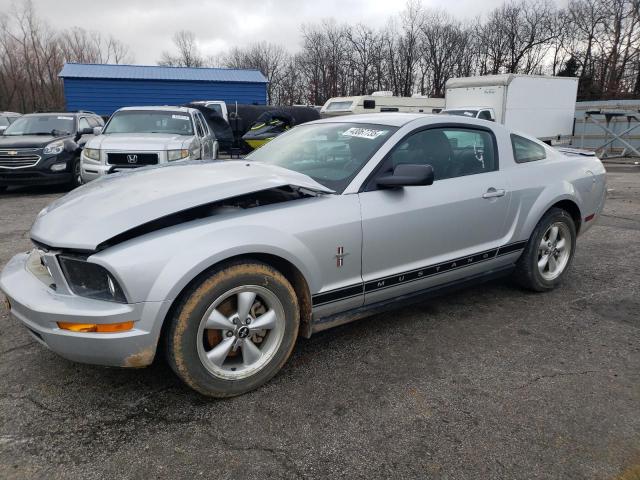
x=68, y=114
x=390, y=118
x=163, y=108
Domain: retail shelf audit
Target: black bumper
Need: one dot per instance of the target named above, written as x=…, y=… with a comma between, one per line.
x=39, y=174
x=34, y=177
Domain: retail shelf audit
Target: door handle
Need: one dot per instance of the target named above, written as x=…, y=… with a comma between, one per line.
x=493, y=193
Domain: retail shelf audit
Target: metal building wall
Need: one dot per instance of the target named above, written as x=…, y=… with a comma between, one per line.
x=104, y=96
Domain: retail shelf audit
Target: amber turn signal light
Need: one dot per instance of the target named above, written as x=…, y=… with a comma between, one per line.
x=96, y=327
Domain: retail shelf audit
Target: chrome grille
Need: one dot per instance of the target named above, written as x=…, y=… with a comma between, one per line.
x=132, y=159
x=19, y=158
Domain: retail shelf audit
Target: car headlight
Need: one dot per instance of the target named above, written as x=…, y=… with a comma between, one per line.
x=92, y=153
x=91, y=280
x=53, y=148
x=173, y=155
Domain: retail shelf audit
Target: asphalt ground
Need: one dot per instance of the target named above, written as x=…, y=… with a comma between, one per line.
x=489, y=382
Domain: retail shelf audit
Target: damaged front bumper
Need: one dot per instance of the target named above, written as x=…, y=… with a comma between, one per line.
x=39, y=308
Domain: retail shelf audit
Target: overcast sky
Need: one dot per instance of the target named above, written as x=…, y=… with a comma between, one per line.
x=147, y=26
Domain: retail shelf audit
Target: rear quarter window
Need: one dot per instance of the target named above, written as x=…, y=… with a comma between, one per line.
x=525, y=150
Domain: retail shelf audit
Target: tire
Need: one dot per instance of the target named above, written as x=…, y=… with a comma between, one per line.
x=76, y=179
x=3, y=188
x=531, y=270
x=206, y=324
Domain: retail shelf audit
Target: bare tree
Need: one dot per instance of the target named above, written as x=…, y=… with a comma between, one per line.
x=188, y=54
x=268, y=58
x=82, y=46
x=444, y=44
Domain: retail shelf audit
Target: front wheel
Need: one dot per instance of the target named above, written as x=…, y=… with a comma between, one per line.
x=76, y=179
x=234, y=330
x=549, y=252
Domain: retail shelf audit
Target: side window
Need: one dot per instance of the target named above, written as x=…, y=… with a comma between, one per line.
x=205, y=127
x=83, y=123
x=198, y=126
x=92, y=122
x=525, y=150
x=452, y=152
x=485, y=115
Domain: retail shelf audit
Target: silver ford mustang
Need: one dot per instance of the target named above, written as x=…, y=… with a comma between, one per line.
x=224, y=264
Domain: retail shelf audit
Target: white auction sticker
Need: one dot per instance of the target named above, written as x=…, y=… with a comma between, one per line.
x=180, y=117
x=364, y=133
x=65, y=118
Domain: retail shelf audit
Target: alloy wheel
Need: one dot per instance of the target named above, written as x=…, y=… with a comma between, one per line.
x=554, y=251
x=241, y=332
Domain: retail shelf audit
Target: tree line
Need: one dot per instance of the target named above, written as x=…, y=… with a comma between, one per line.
x=32, y=54
x=420, y=49
x=416, y=52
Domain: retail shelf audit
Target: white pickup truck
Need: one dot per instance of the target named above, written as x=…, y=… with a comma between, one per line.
x=540, y=106
x=216, y=105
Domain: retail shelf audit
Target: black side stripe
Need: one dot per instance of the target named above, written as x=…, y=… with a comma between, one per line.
x=512, y=247
x=413, y=275
x=338, y=294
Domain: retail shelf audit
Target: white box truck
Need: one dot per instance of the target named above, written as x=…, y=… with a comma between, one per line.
x=540, y=106
x=380, y=102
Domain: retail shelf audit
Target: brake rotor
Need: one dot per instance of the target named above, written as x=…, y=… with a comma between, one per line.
x=228, y=308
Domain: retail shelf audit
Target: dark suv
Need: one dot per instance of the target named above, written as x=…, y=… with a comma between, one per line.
x=44, y=148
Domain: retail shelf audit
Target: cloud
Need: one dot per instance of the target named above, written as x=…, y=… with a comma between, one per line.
x=147, y=27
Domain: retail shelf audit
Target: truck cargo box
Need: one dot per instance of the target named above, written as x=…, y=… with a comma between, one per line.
x=540, y=106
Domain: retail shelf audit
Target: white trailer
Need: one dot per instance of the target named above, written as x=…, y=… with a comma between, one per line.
x=540, y=106
x=380, y=102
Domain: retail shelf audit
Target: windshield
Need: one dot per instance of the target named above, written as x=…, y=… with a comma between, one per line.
x=150, y=121
x=216, y=107
x=42, y=125
x=330, y=153
x=463, y=113
x=339, y=106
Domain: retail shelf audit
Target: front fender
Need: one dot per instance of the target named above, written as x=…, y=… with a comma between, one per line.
x=158, y=266
x=189, y=263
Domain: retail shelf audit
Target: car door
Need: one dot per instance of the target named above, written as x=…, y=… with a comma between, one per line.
x=205, y=138
x=419, y=237
x=211, y=140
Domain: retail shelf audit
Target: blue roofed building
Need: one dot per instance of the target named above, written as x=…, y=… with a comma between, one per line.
x=105, y=88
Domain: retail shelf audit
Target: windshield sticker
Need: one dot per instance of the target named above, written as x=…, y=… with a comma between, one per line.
x=65, y=118
x=364, y=133
x=180, y=117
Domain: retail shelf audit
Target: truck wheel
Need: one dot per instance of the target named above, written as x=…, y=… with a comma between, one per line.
x=76, y=179
x=233, y=330
x=549, y=252
x=3, y=188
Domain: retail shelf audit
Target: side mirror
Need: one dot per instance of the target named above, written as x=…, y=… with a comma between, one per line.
x=407, y=175
x=86, y=131
x=97, y=130
x=2, y=129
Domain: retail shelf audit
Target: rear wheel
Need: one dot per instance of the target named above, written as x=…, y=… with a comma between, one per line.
x=548, y=253
x=233, y=331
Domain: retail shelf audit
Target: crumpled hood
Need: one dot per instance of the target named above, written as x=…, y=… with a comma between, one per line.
x=114, y=204
x=140, y=142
